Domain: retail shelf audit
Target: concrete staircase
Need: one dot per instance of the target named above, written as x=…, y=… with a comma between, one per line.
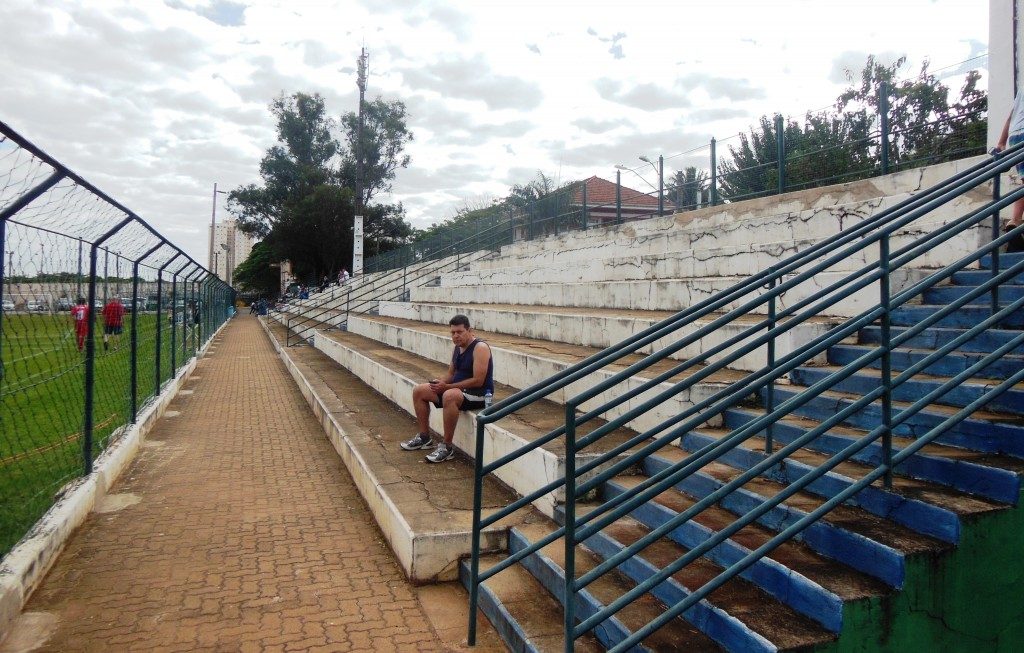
x=901, y=568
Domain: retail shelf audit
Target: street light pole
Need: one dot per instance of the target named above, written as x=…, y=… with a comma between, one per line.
x=213, y=220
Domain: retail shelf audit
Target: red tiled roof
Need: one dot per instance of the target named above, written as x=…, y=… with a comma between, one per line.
x=602, y=192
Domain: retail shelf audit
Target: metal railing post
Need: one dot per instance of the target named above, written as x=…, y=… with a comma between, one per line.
x=769, y=403
x=995, y=252
x=474, y=562
x=174, y=318
x=883, y=122
x=780, y=152
x=134, y=364
x=90, y=348
x=159, y=321
x=618, y=197
x=570, y=525
x=886, y=362
x=714, y=175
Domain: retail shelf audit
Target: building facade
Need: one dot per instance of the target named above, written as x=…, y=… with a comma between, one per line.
x=231, y=246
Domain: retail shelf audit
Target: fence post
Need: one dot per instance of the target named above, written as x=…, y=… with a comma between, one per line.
x=174, y=318
x=569, y=605
x=586, y=210
x=90, y=348
x=618, y=197
x=134, y=371
x=661, y=185
x=159, y=322
x=996, y=193
x=780, y=152
x=883, y=115
x=714, y=174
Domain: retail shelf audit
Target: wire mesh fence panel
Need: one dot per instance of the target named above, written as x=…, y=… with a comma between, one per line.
x=82, y=344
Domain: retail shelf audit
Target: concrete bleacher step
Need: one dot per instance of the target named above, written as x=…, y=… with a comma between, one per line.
x=928, y=508
x=985, y=431
x=424, y=511
x=978, y=277
x=992, y=476
x=602, y=327
x=963, y=318
x=526, y=361
x=948, y=294
x=804, y=581
x=951, y=364
x=526, y=616
x=393, y=372
x=858, y=539
x=935, y=337
x=863, y=381
x=663, y=294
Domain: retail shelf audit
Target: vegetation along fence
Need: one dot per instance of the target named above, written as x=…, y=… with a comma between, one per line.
x=99, y=312
x=878, y=126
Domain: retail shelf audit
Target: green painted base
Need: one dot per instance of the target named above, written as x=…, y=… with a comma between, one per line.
x=970, y=598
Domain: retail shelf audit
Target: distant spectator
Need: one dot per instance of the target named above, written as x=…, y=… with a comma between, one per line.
x=325, y=283
x=303, y=292
x=113, y=320
x=343, y=276
x=254, y=307
x=80, y=317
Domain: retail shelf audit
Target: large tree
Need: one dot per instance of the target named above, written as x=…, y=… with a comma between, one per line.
x=305, y=205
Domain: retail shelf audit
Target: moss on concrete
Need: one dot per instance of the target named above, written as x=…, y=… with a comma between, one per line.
x=968, y=599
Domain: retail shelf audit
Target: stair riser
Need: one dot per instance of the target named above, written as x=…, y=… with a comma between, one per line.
x=948, y=365
x=989, y=482
x=978, y=277
x=609, y=632
x=601, y=330
x=949, y=294
x=790, y=588
x=863, y=554
x=1011, y=401
x=972, y=434
x=521, y=370
x=729, y=632
x=917, y=515
x=984, y=343
x=1006, y=259
x=509, y=631
x=963, y=318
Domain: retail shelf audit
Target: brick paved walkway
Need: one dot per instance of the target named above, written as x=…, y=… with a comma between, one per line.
x=236, y=528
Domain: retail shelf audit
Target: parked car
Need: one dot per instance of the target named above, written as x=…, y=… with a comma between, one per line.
x=64, y=303
x=8, y=306
x=35, y=306
x=128, y=304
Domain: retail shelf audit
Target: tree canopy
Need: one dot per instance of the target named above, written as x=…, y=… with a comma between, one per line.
x=305, y=206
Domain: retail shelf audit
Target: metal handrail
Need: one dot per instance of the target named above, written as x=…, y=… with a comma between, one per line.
x=877, y=229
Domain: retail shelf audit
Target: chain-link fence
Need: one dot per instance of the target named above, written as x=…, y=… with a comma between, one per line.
x=781, y=154
x=99, y=311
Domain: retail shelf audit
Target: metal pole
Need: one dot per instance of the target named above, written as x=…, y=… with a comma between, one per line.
x=714, y=175
x=174, y=318
x=883, y=115
x=618, y=197
x=586, y=212
x=474, y=561
x=886, y=361
x=995, y=252
x=78, y=289
x=780, y=152
x=135, y=333
x=90, y=349
x=569, y=605
x=159, y=323
x=661, y=185
x=213, y=225
x=769, y=404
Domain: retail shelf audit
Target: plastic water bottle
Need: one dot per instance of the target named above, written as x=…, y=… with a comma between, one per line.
x=488, y=398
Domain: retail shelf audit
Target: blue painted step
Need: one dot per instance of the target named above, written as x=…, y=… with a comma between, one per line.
x=933, y=338
x=550, y=572
x=925, y=518
x=862, y=382
x=845, y=539
x=997, y=483
x=949, y=365
x=789, y=586
x=964, y=317
x=948, y=294
x=728, y=630
x=1004, y=436
x=1006, y=259
x=978, y=277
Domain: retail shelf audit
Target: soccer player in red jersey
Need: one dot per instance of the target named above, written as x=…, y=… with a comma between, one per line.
x=80, y=317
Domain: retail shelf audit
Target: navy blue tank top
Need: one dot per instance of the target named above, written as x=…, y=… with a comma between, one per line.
x=463, y=364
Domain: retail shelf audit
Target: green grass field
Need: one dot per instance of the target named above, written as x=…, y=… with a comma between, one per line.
x=42, y=399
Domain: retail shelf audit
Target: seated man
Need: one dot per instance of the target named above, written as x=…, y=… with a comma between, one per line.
x=470, y=376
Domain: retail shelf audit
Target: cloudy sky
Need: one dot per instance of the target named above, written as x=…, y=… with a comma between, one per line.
x=155, y=101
